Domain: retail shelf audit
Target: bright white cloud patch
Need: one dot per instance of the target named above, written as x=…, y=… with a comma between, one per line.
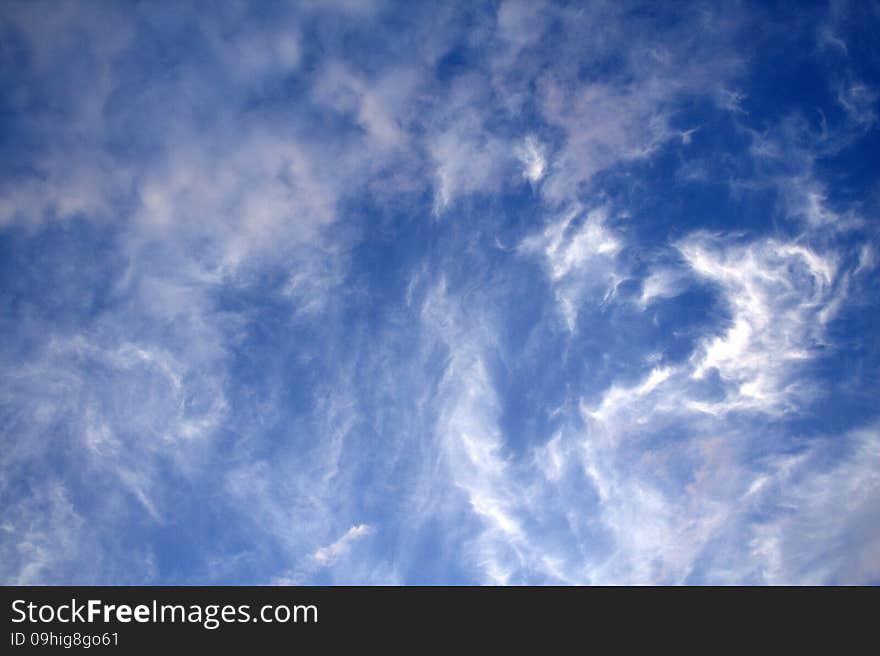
x=781, y=296
x=326, y=555
x=531, y=155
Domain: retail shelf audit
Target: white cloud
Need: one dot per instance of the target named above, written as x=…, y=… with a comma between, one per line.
x=578, y=251
x=326, y=556
x=661, y=283
x=469, y=437
x=521, y=23
x=619, y=396
x=828, y=531
x=780, y=295
x=531, y=155
x=468, y=160
x=860, y=102
x=380, y=105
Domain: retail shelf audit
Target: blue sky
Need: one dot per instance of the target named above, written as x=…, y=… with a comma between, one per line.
x=377, y=292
